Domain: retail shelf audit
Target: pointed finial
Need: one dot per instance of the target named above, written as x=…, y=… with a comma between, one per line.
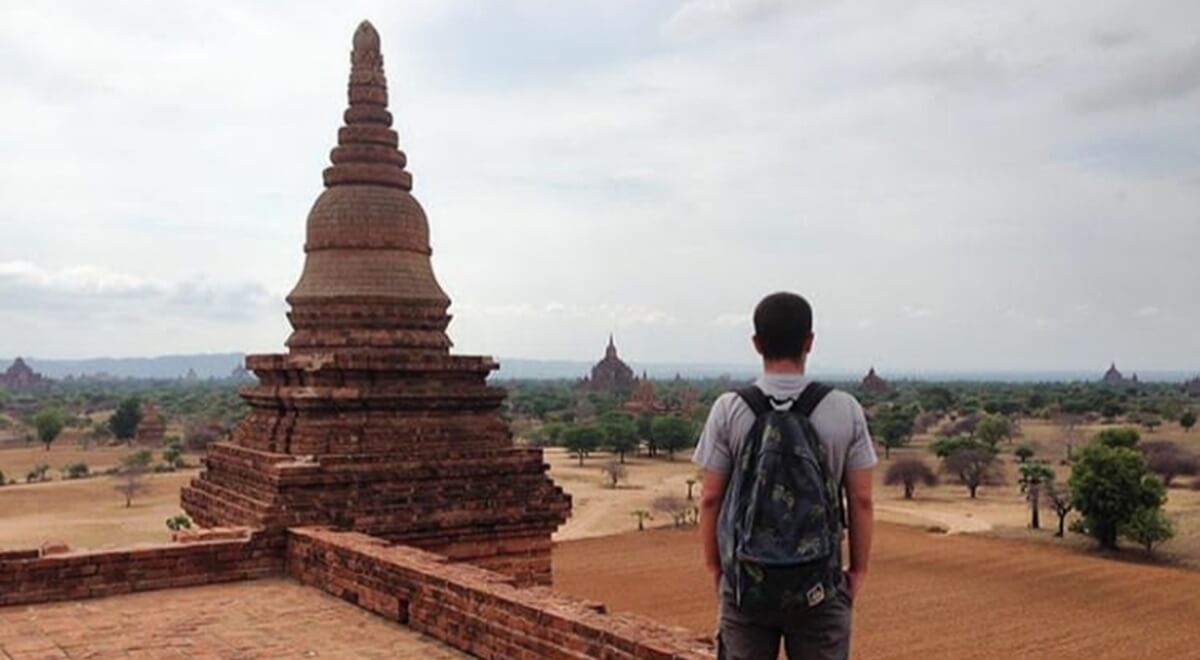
x=366, y=38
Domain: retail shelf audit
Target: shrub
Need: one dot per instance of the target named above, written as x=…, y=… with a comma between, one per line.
x=614, y=472
x=178, y=522
x=75, y=471
x=1024, y=452
x=1148, y=527
x=37, y=474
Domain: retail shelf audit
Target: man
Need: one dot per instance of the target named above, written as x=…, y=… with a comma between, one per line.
x=783, y=336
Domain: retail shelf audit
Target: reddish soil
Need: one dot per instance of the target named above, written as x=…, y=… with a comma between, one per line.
x=929, y=596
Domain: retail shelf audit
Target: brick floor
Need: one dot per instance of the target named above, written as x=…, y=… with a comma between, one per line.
x=262, y=619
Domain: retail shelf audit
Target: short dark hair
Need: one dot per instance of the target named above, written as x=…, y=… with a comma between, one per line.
x=782, y=323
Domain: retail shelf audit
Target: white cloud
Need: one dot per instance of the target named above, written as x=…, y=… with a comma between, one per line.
x=732, y=320
x=1147, y=311
x=699, y=18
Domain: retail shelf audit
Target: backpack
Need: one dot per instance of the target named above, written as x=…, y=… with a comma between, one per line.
x=780, y=527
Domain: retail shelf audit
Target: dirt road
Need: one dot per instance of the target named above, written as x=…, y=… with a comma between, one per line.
x=930, y=596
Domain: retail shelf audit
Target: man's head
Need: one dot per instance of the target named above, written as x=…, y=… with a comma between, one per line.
x=783, y=328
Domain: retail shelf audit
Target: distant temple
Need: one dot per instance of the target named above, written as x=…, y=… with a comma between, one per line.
x=1192, y=386
x=151, y=428
x=609, y=374
x=874, y=383
x=19, y=376
x=1114, y=377
x=645, y=400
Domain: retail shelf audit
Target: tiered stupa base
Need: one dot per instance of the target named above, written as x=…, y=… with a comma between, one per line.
x=406, y=448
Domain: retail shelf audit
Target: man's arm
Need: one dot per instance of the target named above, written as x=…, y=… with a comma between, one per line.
x=711, y=495
x=861, y=510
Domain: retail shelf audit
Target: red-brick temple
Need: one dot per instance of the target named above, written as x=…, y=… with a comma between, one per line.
x=874, y=383
x=150, y=429
x=20, y=376
x=368, y=422
x=610, y=374
x=372, y=464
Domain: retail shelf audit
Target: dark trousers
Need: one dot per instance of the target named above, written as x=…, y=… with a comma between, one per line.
x=817, y=633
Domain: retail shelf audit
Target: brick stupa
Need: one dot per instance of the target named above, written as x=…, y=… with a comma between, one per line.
x=368, y=422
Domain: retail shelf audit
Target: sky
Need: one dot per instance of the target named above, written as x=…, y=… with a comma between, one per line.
x=954, y=185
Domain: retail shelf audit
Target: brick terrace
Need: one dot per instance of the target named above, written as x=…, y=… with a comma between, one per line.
x=272, y=618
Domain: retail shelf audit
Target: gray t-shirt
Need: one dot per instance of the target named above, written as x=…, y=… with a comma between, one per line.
x=838, y=420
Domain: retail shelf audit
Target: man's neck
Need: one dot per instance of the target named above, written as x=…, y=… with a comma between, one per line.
x=790, y=367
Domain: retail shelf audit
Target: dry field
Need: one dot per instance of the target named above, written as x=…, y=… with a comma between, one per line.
x=85, y=513
x=929, y=596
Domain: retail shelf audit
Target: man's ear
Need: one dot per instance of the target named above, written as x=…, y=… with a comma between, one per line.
x=808, y=342
x=757, y=345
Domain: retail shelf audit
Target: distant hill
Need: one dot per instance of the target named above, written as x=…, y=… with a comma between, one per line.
x=219, y=365
x=206, y=365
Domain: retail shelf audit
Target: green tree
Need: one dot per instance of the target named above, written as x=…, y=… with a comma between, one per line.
x=1033, y=477
x=644, y=423
x=943, y=447
x=124, y=420
x=49, y=423
x=974, y=467
x=620, y=433
x=892, y=425
x=1187, y=420
x=1122, y=437
x=1109, y=484
x=993, y=429
x=671, y=434
x=1024, y=452
x=172, y=453
x=1148, y=527
x=581, y=440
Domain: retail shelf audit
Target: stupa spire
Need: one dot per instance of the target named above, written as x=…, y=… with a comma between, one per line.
x=367, y=285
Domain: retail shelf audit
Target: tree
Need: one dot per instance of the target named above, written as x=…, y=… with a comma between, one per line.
x=1059, y=497
x=644, y=422
x=974, y=467
x=691, y=484
x=994, y=428
x=131, y=478
x=49, y=423
x=172, y=453
x=581, y=440
x=1109, y=484
x=125, y=419
x=1169, y=460
x=910, y=472
x=1187, y=420
x=1148, y=527
x=1033, y=477
x=1024, y=452
x=642, y=516
x=620, y=433
x=1122, y=437
x=615, y=472
x=893, y=425
x=179, y=521
x=943, y=447
x=671, y=434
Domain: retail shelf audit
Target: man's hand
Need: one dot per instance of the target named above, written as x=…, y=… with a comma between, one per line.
x=854, y=582
x=715, y=572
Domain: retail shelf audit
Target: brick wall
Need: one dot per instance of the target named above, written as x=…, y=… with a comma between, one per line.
x=32, y=576
x=473, y=609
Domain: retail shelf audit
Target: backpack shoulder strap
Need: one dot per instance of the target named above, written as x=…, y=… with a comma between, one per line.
x=755, y=398
x=812, y=395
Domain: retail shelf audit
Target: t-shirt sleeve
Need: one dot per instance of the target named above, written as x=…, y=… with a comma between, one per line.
x=712, y=451
x=860, y=455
